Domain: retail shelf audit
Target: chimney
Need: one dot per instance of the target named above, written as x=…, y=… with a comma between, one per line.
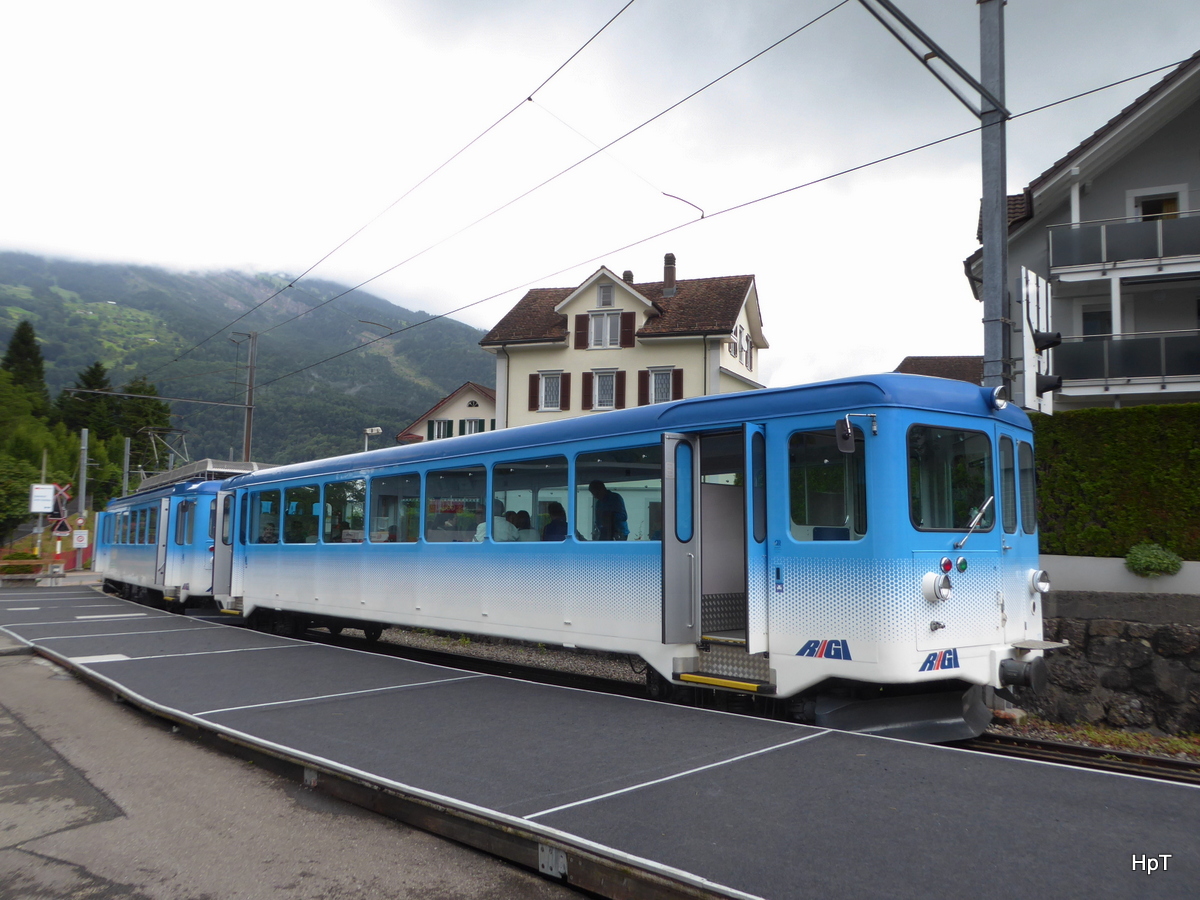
x=669, y=275
x=627, y=276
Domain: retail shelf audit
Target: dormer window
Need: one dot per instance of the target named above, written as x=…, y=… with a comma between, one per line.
x=605, y=294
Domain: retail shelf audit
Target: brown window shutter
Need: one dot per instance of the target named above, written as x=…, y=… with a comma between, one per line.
x=564, y=390
x=628, y=324
x=619, y=390
x=677, y=384
x=581, y=331
x=644, y=387
x=535, y=390
x=585, y=400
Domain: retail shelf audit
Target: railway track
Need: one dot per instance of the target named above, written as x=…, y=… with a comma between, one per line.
x=1080, y=756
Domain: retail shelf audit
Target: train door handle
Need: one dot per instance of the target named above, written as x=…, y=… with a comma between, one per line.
x=692, y=589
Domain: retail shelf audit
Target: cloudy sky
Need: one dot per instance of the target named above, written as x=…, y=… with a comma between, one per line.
x=260, y=135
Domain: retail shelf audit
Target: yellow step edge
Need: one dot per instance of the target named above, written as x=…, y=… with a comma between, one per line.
x=751, y=686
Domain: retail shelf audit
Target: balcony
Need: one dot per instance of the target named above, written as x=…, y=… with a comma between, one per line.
x=1109, y=241
x=1160, y=355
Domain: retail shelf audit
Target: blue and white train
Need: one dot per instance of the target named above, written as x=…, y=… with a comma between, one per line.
x=863, y=550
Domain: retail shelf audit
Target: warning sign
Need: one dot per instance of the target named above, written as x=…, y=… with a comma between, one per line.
x=79, y=540
x=61, y=528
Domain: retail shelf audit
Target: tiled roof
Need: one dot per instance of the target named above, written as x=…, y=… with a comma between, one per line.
x=958, y=368
x=700, y=306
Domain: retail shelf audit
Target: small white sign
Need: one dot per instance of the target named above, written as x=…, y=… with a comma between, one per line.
x=41, y=498
x=79, y=539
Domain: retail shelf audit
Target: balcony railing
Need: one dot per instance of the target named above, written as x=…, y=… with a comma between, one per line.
x=1118, y=240
x=1144, y=355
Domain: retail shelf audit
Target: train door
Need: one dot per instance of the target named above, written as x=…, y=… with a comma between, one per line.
x=714, y=539
x=223, y=545
x=160, y=551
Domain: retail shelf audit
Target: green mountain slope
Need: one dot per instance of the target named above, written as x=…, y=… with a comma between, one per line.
x=136, y=319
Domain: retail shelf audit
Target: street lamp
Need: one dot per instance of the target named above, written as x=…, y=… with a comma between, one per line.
x=368, y=433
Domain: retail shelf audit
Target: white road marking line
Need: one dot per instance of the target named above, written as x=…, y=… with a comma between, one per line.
x=638, y=787
x=104, y=657
x=22, y=608
x=76, y=637
x=112, y=616
x=390, y=687
x=210, y=652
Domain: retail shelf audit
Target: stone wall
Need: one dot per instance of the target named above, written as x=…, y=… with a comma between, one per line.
x=1128, y=674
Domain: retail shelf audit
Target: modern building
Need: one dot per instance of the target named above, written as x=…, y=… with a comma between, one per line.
x=610, y=343
x=1104, y=247
x=470, y=409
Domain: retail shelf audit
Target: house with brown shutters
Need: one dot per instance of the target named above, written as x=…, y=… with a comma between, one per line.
x=468, y=410
x=611, y=342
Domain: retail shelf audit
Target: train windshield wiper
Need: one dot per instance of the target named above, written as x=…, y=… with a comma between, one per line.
x=975, y=522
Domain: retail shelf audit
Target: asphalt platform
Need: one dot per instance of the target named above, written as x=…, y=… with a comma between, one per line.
x=631, y=797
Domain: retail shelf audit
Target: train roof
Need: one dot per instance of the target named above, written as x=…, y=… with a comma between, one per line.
x=168, y=490
x=698, y=413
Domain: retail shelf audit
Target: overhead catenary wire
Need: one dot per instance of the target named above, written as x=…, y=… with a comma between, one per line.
x=705, y=218
x=570, y=168
x=292, y=282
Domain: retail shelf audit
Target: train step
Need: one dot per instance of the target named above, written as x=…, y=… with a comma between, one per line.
x=734, y=684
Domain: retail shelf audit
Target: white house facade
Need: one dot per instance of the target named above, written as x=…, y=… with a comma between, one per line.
x=468, y=410
x=1104, y=247
x=610, y=343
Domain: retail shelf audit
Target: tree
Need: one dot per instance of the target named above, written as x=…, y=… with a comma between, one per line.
x=91, y=411
x=15, y=478
x=138, y=417
x=23, y=361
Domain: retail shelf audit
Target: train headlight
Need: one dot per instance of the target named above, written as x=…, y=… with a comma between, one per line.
x=935, y=587
x=1039, y=581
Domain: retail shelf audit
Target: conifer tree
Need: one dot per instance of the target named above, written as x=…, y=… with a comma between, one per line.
x=138, y=417
x=23, y=361
x=91, y=411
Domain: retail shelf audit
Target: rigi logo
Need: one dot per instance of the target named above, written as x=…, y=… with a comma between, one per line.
x=943, y=659
x=826, y=649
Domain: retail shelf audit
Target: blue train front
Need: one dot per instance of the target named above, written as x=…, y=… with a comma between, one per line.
x=864, y=551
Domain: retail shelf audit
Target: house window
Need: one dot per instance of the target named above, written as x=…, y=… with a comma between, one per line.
x=1097, y=323
x=604, y=385
x=747, y=352
x=735, y=341
x=1148, y=204
x=551, y=391
x=605, y=293
x=605, y=330
x=471, y=426
x=660, y=385
x=440, y=428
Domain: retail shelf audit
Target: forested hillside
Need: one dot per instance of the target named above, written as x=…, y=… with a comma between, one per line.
x=135, y=320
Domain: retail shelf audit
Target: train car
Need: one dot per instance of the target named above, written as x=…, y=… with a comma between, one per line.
x=864, y=551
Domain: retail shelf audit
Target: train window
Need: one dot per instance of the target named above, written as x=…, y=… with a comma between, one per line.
x=107, y=532
x=301, y=505
x=827, y=488
x=1028, y=488
x=345, y=512
x=1008, y=485
x=454, y=504
x=530, y=499
x=152, y=525
x=227, y=520
x=618, y=494
x=949, y=478
x=212, y=518
x=184, y=518
x=243, y=517
x=264, y=517
x=395, y=509
x=139, y=527
x=122, y=525
x=758, y=458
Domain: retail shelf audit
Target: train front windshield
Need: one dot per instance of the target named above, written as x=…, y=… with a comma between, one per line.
x=949, y=478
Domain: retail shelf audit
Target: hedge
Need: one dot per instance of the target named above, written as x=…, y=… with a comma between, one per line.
x=1109, y=479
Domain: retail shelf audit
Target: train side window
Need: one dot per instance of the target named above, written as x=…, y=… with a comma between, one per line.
x=122, y=525
x=300, y=507
x=139, y=526
x=1028, y=488
x=454, y=504
x=531, y=497
x=243, y=517
x=108, y=529
x=152, y=525
x=212, y=519
x=227, y=520
x=618, y=494
x=1008, y=485
x=183, y=522
x=264, y=517
x=949, y=478
x=827, y=488
x=758, y=458
x=345, y=512
x=395, y=509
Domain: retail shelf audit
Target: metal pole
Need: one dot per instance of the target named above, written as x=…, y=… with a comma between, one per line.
x=83, y=461
x=995, y=193
x=251, y=358
x=125, y=470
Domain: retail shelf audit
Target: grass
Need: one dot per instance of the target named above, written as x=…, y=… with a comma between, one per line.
x=1114, y=738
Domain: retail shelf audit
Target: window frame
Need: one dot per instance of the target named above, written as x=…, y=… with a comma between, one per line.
x=855, y=491
x=597, y=376
x=668, y=374
x=544, y=379
x=611, y=337
x=989, y=469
